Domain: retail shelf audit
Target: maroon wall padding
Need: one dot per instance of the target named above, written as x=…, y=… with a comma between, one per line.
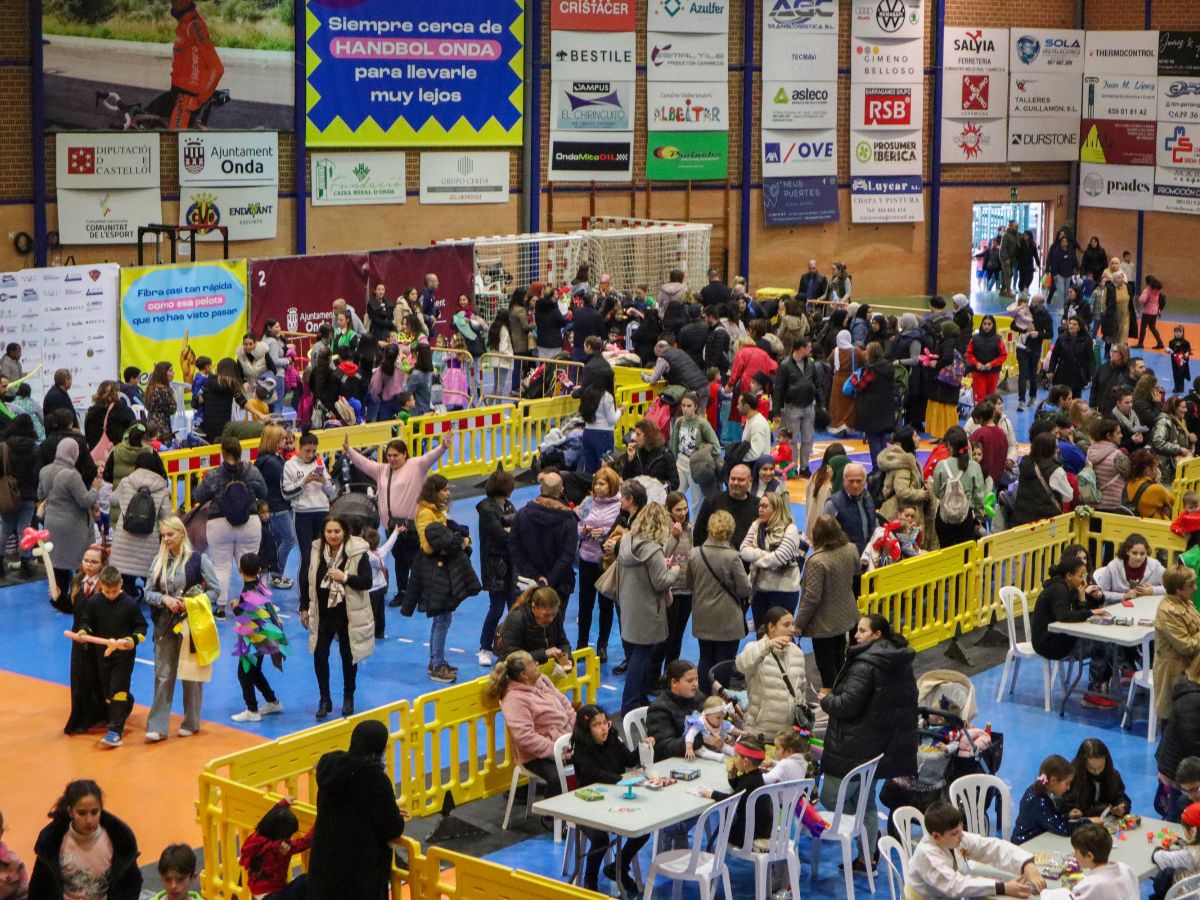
x=299, y=290
x=406, y=267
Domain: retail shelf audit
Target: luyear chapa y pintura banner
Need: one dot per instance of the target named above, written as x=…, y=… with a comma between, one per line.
x=410, y=74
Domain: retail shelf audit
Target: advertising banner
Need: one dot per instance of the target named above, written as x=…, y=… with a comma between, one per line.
x=464, y=177
x=1116, y=142
x=687, y=155
x=592, y=56
x=800, y=201
x=593, y=15
x=1116, y=187
x=63, y=318
x=1119, y=96
x=687, y=57
x=1178, y=98
x=796, y=17
x=887, y=18
x=891, y=106
x=1178, y=145
x=974, y=140
x=974, y=94
x=1177, y=191
x=407, y=266
x=298, y=291
x=592, y=105
x=794, y=153
x=162, y=307
x=229, y=158
x=879, y=200
x=1058, y=50
x=886, y=61
x=382, y=73
x=1042, y=140
x=250, y=213
x=1179, y=53
x=106, y=217
x=351, y=179
x=688, y=16
x=682, y=106
x=978, y=49
x=792, y=104
x=594, y=157
x=1122, y=53
x=885, y=152
x=106, y=160
x=1047, y=96
x=800, y=58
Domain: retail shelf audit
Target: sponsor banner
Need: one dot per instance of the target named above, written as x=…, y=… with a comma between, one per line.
x=1045, y=50
x=687, y=57
x=687, y=156
x=683, y=106
x=796, y=16
x=106, y=160
x=382, y=73
x=1116, y=142
x=594, y=157
x=971, y=94
x=1178, y=98
x=591, y=105
x=1178, y=145
x=161, y=306
x=593, y=15
x=464, y=177
x=1116, y=187
x=295, y=290
x=1179, y=53
x=800, y=201
x=793, y=104
x=1043, y=140
x=974, y=140
x=886, y=61
x=799, y=153
x=688, y=16
x=250, y=213
x=1120, y=96
x=350, y=179
x=592, y=56
x=891, y=106
x=106, y=217
x=1122, y=53
x=1046, y=96
x=977, y=49
x=1177, y=191
x=887, y=18
x=229, y=158
x=63, y=318
x=880, y=153
x=405, y=266
x=794, y=58
x=895, y=199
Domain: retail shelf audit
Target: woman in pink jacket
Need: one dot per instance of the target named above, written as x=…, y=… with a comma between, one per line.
x=1151, y=304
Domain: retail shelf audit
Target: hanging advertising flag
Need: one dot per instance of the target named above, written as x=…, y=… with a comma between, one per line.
x=978, y=49
x=250, y=213
x=791, y=104
x=1045, y=96
x=106, y=160
x=810, y=17
x=974, y=95
x=974, y=141
x=800, y=58
x=382, y=73
x=1042, y=140
x=1116, y=142
x=1119, y=96
x=791, y=153
x=1178, y=98
x=1179, y=53
x=593, y=15
x=893, y=106
x=1178, y=145
x=590, y=157
x=800, y=201
x=1116, y=187
x=1058, y=50
x=676, y=106
x=591, y=105
x=1122, y=53
x=687, y=156
x=106, y=216
x=881, y=200
x=591, y=56
x=688, y=16
x=208, y=159
x=687, y=57
x=885, y=152
x=1177, y=190
x=353, y=179
x=886, y=61
x=464, y=177
x=887, y=18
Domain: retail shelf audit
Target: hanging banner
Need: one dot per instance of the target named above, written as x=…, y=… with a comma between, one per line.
x=162, y=306
x=591, y=157
x=250, y=213
x=1116, y=142
x=298, y=291
x=1178, y=145
x=792, y=104
x=886, y=61
x=1043, y=140
x=885, y=152
x=1119, y=96
x=1122, y=53
x=879, y=200
x=688, y=16
x=679, y=106
x=687, y=57
x=358, y=179
x=978, y=49
x=974, y=141
x=791, y=57
x=794, y=153
x=1116, y=187
x=687, y=155
x=974, y=95
x=382, y=73
x=106, y=160
x=892, y=106
x=800, y=17
x=593, y=15
x=592, y=105
x=590, y=56
x=887, y=18
x=106, y=216
x=800, y=201
x=1179, y=53
x=1177, y=191
x=464, y=177
x=229, y=158
x=1178, y=99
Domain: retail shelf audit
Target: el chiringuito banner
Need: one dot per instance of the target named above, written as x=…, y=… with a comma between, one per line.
x=167, y=309
x=388, y=74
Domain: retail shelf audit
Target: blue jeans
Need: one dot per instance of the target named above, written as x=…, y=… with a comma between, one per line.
x=876, y=441
x=284, y=530
x=439, y=627
x=640, y=675
x=597, y=443
x=498, y=604
x=15, y=523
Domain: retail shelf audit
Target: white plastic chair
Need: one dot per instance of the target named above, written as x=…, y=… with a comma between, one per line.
x=895, y=870
x=1185, y=889
x=970, y=794
x=1143, y=678
x=694, y=864
x=904, y=817
x=564, y=830
x=519, y=772
x=633, y=726
x=845, y=828
x=1019, y=650
x=785, y=798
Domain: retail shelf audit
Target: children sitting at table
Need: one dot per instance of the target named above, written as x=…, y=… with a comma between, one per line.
x=1103, y=880
x=938, y=871
x=1097, y=786
x=1185, y=860
x=746, y=775
x=1187, y=523
x=1042, y=806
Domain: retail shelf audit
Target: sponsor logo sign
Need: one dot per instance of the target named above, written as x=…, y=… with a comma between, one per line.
x=464, y=177
x=1122, y=53
x=1179, y=53
x=349, y=179
x=970, y=94
x=800, y=201
x=885, y=153
x=1045, y=50
x=800, y=152
x=1043, y=96
x=980, y=49
x=885, y=61
x=687, y=57
x=107, y=160
x=224, y=158
x=687, y=155
x=680, y=106
x=1178, y=98
x=973, y=140
x=106, y=217
x=594, y=158
x=688, y=16
x=894, y=199
x=887, y=18
x=795, y=16
x=250, y=213
x=592, y=105
x=593, y=15
x=800, y=58
x=1042, y=140
x=1116, y=142
x=1119, y=96
x=1178, y=145
x=592, y=56
x=1116, y=187
x=886, y=106
x=794, y=104
x=1177, y=190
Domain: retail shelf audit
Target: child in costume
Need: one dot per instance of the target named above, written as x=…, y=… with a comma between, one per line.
x=267, y=855
x=259, y=635
x=711, y=720
x=782, y=453
x=895, y=541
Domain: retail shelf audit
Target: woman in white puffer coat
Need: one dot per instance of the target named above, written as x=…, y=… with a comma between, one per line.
x=775, y=677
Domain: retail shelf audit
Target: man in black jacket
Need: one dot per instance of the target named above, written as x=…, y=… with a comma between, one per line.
x=736, y=500
x=597, y=369
x=678, y=368
x=544, y=539
x=795, y=401
x=586, y=322
x=61, y=425
x=716, y=344
x=813, y=284
x=58, y=398
x=693, y=336
x=716, y=291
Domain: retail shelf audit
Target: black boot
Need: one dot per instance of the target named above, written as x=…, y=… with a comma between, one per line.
x=27, y=569
x=621, y=669
x=347, y=706
x=324, y=708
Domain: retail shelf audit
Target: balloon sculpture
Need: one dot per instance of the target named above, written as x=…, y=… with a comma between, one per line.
x=39, y=542
x=111, y=645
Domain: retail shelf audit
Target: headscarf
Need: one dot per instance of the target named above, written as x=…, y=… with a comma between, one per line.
x=949, y=329
x=369, y=738
x=67, y=451
x=838, y=463
x=909, y=322
x=844, y=342
x=960, y=301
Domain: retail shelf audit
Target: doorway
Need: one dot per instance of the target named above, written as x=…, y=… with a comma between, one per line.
x=987, y=221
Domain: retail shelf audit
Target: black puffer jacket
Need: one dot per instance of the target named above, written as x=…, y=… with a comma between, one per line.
x=441, y=580
x=496, y=516
x=873, y=710
x=665, y=722
x=126, y=881
x=549, y=322
x=658, y=464
x=1181, y=736
x=875, y=407
x=23, y=462
x=543, y=543
x=521, y=631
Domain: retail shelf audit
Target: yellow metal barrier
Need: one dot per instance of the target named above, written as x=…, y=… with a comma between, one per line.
x=479, y=438
x=446, y=874
x=633, y=400
x=1020, y=557
x=1187, y=478
x=1104, y=532
x=491, y=361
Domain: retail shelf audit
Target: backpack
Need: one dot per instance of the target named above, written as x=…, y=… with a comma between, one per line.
x=140, y=513
x=955, y=507
x=952, y=372
x=237, y=502
x=1131, y=503
x=1089, y=490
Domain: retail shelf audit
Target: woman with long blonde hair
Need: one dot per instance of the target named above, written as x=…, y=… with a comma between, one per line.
x=773, y=548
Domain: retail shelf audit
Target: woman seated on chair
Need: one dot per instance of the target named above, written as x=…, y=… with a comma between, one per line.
x=601, y=757
x=666, y=717
x=746, y=776
x=1133, y=573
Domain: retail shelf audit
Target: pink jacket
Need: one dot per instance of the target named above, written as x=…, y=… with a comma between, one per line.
x=384, y=388
x=1149, y=301
x=536, y=715
x=400, y=502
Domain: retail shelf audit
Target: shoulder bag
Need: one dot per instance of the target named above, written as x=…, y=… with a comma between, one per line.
x=104, y=445
x=800, y=716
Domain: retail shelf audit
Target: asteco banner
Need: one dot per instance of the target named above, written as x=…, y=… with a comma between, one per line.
x=203, y=304
x=382, y=73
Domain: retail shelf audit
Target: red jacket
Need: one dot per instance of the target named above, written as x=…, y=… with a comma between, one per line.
x=196, y=68
x=267, y=862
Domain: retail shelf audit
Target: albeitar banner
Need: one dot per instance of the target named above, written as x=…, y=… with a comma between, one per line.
x=683, y=106
x=382, y=73
x=800, y=201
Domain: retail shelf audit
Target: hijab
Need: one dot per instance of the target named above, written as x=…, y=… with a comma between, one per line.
x=369, y=738
x=67, y=451
x=844, y=342
x=838, y=463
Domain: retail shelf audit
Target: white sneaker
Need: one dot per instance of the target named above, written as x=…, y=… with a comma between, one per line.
x=270, y=709
x=487, y=659
x=247, y=716
x=153, y=737
x=185, y=732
